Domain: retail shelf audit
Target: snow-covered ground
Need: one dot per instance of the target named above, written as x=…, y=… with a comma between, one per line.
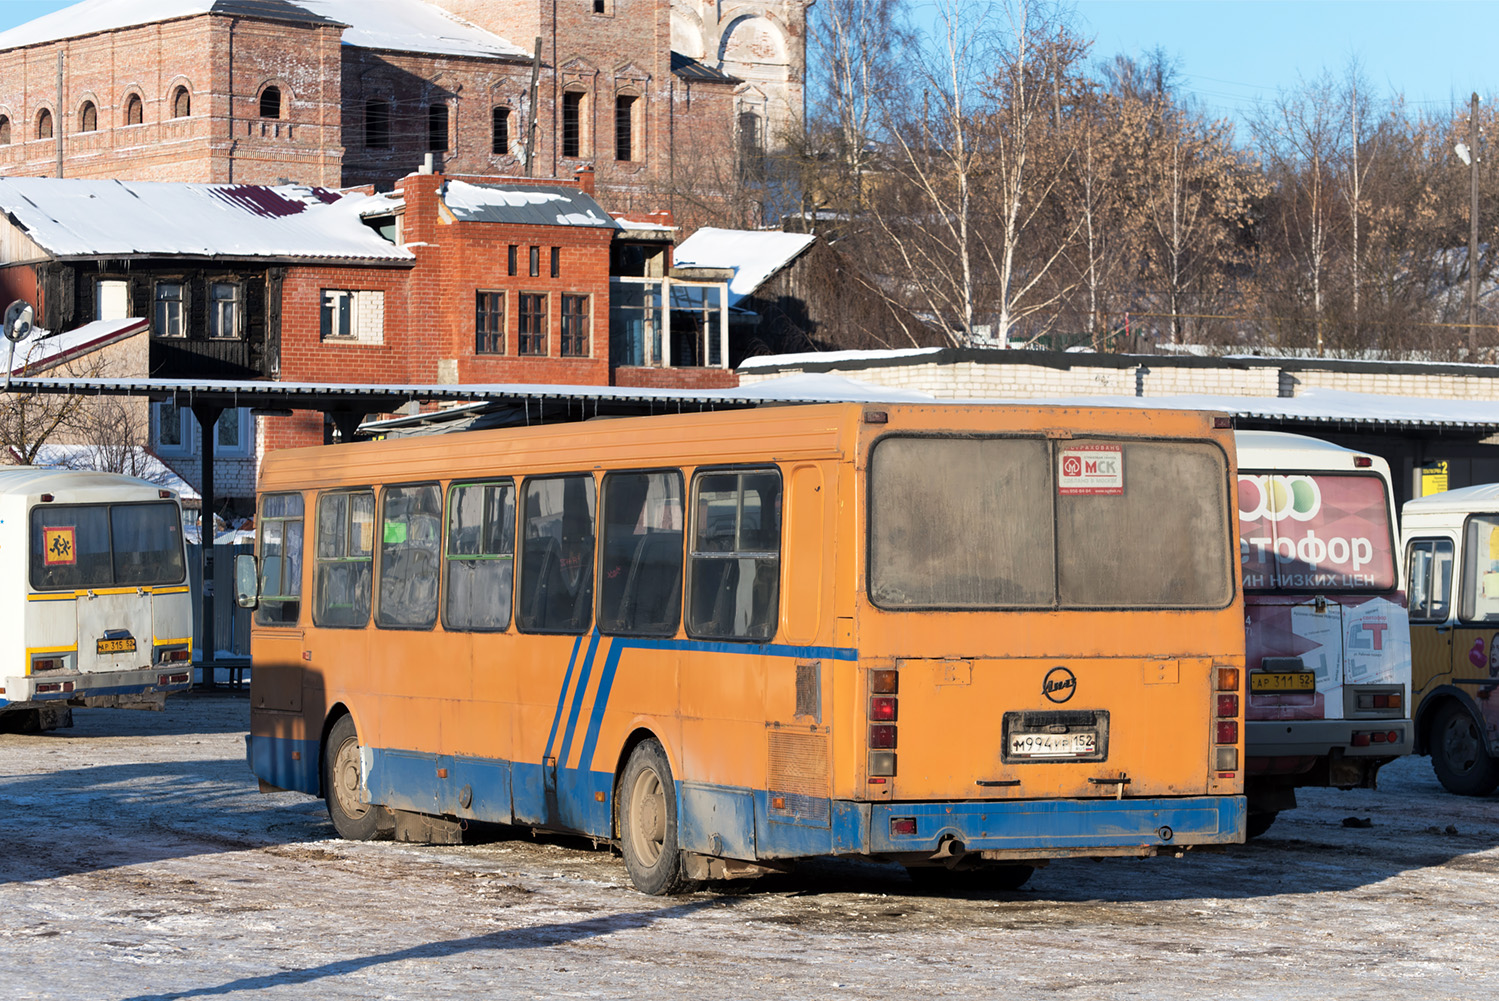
x=138, y=861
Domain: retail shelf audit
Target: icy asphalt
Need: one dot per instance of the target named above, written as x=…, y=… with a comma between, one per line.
x=138, y=861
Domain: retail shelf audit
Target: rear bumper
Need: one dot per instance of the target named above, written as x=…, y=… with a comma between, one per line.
x=1059, y=826
x=101, y=689
x=1318, y=737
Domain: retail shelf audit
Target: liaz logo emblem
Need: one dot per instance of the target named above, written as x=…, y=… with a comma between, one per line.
x=1059, y=685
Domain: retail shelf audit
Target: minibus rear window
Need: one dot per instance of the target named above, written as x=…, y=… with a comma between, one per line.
x=106, y=545
x=1315, y=531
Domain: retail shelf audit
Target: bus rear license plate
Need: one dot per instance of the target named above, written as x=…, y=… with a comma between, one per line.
x=1292, y=681
x=117, y=646
x=1053, y=745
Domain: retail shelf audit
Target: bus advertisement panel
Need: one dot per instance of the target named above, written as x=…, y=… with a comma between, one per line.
x=946, y=636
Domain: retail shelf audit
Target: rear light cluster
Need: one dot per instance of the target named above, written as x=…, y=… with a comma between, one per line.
x=883, y=686
x=177, y=656
x=1380, y=700
x=1363, y=738
x=48, y=663
x=56, y=686
x=172, y=679
x=1226, y=726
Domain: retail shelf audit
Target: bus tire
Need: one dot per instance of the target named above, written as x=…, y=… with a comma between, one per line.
x=1458, y=753
x=353, y=820
x=648, y=823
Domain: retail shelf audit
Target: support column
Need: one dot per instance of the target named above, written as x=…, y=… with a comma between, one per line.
x=207, y=416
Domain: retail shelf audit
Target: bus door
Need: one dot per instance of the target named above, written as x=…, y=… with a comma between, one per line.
x=1429, y=587
x=1475, y=634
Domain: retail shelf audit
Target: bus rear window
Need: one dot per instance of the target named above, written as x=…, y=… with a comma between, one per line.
x=967, y=523
x=1324, y=531
x=106, y=545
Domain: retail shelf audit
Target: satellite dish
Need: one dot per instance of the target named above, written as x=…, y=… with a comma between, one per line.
x=18, y=320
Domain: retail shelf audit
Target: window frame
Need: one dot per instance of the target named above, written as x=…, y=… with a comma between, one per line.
x=108, y=507
x=691, y=555
x=261, y=103
x=582, y=629
x=1432, y=543
x=541, y=337
x=1391, y=536
x=586, y=337
x=216, y=309
x=494, y=338
x=625, y=128
x=1467, y=578
x=449, y=506
x=377, y=612
x=571, y=130
x=262, y=520
x=318, y=560
x=601, y=544
x=184, y=310
x=499, y=127
x=439, y=128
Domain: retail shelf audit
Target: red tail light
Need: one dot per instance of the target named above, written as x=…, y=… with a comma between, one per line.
x=1228, y=731
x=902, y=827
x=882, y=707
x=1228, y=705
x=882, y=735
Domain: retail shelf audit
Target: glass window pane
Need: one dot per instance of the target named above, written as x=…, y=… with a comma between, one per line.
x=1325, y=530
x=1481, y=569
x=640, y=580
x=556, y=591
x=344, y=576
x=410, y=537
x=70, y=547
x=280, y=528
x=961, y=523
x=481, y=563
x=147, y=543
x=734, y=569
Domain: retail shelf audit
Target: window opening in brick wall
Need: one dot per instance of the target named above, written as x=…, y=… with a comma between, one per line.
x=572, y=124
x=44, y=125
x=231, y=435
x=182, y=103
x=135, y=110
x=489, y=323
x=624, y=133
x=88, y=117
x=535, y=262
x=574, y=326
x=437, y=128
x=377, y=125
x=600, y=6
x=270, y=102
x=224, y=300
x=499, y=141
x=751, y=147
x=556, y=262
x=511, y=256
x=353, y=317
x=172, y=434
x=171, y=320
x=533, y=324
x=4, y=130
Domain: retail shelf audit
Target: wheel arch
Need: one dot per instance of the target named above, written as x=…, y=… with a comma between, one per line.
x=336, y=712
x=638, y=735
x=1432, y=705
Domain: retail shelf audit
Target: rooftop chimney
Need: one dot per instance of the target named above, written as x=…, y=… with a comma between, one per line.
x=584, y=176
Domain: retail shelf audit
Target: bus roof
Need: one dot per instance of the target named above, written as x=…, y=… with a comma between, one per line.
x=1479, y=497
x=29, y=480
x=1282, y=450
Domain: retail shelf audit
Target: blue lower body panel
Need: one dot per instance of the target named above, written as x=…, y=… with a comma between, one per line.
x=285, y=764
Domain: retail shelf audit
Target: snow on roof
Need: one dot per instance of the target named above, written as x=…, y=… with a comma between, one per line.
x=67, y=468
x=524, y=204
x=132, y=460
x=832, y=357
x=41, y=349
x=1479, y=497
x=92, y=218
x=400, y=25
x=755, y=255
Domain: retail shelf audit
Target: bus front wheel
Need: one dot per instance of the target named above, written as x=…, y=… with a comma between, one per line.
x=1459, y=755
x=352, y=819
x=648, y=822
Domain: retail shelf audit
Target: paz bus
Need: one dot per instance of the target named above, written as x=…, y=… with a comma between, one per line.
x=1327, y=646
x=966, y=639
x=96, y=595
x=1452, y=555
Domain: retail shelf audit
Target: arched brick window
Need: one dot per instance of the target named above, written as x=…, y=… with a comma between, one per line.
x=135, y=110
x=270, y=102
x=44, y=125
x=499, y=141
x=88, y=117
x=572, y=123
x=182, y=103
x=4, y=130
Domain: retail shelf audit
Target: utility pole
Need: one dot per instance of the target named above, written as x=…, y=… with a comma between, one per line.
x=1473, y=232
x=60, y=117
x=531, y=111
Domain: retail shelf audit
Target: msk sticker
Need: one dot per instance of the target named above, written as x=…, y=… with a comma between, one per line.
x=1091, y=469
x=60, y=546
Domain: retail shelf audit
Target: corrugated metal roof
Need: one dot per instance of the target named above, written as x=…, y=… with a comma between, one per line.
x=525, y=205
x=76, y=218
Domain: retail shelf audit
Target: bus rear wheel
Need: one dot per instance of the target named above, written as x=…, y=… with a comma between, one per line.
x=648, y=823
x=352, y=819
x=1459, y=755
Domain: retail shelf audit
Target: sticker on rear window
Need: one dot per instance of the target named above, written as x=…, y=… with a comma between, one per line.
x=1091, y=469
x=61, y=546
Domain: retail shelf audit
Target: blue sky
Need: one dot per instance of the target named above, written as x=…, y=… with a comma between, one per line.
x=1233, y=52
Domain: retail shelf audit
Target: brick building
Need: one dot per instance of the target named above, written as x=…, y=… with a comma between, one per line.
x=662, y=97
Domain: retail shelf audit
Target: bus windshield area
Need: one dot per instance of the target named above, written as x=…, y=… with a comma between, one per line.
x=1315, y=530
x=991, y=523
x=106, y=545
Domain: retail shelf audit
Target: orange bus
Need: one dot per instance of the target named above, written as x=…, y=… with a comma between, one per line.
x=963, y=638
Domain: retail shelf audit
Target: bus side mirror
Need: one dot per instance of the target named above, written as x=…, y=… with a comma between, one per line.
x=246, y=581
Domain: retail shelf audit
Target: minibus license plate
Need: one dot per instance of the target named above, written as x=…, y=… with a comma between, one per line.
x=1053, y=745
x=126, y=645
x=1287, y=681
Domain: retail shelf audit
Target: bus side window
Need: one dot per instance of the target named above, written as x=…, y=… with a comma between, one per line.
x=640, y=586
x=556, y=560
x=280, y=520
x=1481, y=569
x=345, y=559
x=480, y=556
x=1429, y=585
x=410, y=538
x=734, y=566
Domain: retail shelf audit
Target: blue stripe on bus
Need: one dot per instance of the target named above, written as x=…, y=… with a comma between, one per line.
x=79, y=693
x=562, y=695
x=578, y=695
x=600, y=702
